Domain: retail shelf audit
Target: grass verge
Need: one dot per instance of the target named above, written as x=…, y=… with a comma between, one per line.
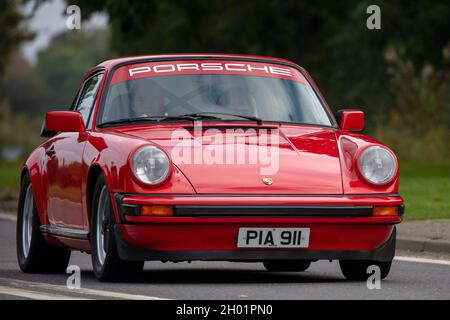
x=9, y=174
x=426, y=190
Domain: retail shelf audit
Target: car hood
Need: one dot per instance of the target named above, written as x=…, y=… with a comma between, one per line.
x=300, y=160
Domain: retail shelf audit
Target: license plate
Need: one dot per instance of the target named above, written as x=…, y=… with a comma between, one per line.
x=273, y=237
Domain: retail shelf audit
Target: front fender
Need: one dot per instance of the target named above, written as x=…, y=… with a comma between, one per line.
x=349, y=145
x=108, y=154
x=111, y=153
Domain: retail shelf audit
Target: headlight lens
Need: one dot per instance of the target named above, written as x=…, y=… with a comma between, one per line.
x=151, y=165
x=377, y=165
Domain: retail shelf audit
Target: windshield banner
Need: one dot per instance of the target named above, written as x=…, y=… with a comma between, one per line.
x=166, y=68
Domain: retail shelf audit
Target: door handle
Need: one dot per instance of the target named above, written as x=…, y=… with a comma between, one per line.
x=50, y=152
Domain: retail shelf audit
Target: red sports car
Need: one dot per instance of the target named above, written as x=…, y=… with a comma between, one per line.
x=206, y=157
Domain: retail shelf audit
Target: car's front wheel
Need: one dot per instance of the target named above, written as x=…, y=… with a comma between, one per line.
x=287, y=266
x=106, y=262
x=34, y=253
x=358, y=270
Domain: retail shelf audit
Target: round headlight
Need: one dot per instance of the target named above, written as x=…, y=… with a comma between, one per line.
x=150, y=165
x=377, y=165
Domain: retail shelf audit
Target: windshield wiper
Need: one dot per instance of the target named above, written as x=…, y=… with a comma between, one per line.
x=143, y=119
x=156, y=119
x=127, y=120
x=201, y=114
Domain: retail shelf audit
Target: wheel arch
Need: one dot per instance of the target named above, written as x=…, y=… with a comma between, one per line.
x=95, y=170
x=35, y=173
x=22, y=173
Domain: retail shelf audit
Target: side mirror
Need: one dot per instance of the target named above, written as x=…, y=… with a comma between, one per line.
x=64, y=121
x=350, y=120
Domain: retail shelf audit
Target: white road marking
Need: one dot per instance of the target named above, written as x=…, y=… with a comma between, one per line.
x=8, y=217
x=422, y=260
x=13, y=283
x=34, y=295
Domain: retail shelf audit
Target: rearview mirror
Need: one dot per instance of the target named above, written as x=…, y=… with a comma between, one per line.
x=350, y=120
x=63, y=121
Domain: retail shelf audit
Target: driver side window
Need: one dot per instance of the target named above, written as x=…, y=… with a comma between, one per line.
x=87, y=98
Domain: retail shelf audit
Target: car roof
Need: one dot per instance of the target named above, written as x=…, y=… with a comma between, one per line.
x=114, y=62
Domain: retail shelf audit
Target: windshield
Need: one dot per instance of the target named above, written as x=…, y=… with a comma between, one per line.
x=265, y=91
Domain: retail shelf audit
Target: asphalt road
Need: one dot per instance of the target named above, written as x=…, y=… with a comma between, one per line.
x=412, y=279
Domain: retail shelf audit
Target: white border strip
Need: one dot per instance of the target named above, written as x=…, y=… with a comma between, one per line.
x=13, y=284
x=34, y=295
x=422, y=260
x=8, y=217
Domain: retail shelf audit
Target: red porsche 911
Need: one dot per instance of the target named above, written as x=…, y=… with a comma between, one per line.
x=206, y=157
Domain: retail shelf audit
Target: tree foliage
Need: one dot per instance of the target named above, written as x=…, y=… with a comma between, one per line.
x=12, y=32
x=384, y=72
x=69, y=56
x=329, y=38
x=53, y=82
x=25, y=91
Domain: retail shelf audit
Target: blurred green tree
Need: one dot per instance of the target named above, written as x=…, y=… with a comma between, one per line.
x=419, y=30
x=21, y=77
x=62, y=64
x=12, y=31
x=28, y=91
x=53, y=82
x=329, y=38
x=12, y=35
x=352, y=64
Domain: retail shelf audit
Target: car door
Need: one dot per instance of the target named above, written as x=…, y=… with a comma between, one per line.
x=64, y=164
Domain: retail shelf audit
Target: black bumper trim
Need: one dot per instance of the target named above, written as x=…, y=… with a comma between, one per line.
x=132, y=253
x=248, y=210
x=276, y=211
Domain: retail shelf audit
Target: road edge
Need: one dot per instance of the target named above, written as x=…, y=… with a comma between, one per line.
x=423, y=245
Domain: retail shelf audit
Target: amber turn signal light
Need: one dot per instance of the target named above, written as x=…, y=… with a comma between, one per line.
x=158, y=211
x=383, y=211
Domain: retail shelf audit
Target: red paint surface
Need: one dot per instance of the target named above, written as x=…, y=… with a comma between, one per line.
x=64, y=121
x=217, y=236
x=352, y=120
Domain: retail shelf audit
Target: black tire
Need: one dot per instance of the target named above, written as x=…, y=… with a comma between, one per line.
x=41, y=257
x=287, y=265
x=357, y=269
x=112, y=268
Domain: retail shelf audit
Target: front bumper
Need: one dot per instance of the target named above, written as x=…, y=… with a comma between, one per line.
x=206, y=227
